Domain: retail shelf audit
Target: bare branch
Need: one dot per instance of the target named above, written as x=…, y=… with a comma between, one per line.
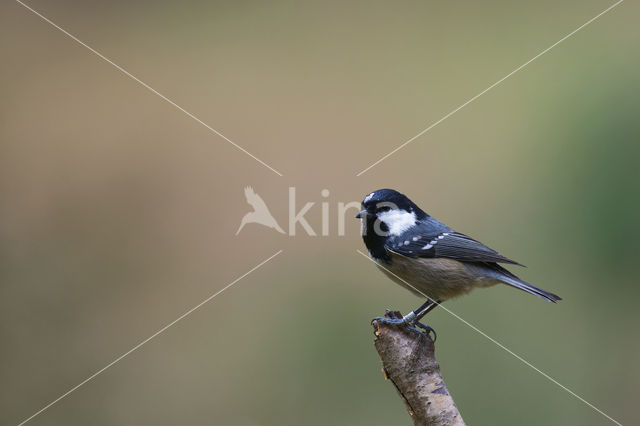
x=408, y=360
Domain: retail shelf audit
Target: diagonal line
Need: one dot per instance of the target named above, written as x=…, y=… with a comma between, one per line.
x=499, y=344
x=146, y=86
x=163, y=329
x=490, y=87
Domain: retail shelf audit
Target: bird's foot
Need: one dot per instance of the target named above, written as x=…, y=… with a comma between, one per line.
x=392, y=318
x=409, y=321
x=428, y=329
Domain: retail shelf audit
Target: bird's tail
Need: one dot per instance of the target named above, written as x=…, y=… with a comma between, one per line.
x=530, y=288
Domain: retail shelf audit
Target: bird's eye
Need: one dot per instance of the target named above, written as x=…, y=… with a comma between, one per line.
x=383, y=209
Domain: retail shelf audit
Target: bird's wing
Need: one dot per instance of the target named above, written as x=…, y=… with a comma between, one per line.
x=452, y=245
x=255, y=200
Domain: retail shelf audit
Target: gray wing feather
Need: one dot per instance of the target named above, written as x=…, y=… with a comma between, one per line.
x=452, y=245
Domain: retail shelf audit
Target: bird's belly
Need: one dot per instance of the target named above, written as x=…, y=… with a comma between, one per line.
x=439, y=279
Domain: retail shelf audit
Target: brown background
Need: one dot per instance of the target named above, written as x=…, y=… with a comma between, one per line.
x=119, y=212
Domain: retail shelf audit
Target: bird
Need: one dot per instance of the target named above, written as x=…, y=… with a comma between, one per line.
x=260, y=213
x=428, y=257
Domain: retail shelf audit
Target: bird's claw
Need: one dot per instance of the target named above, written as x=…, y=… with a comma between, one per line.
x=428, y=329
x=388, y=313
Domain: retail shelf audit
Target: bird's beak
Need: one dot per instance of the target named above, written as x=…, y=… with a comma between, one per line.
x=361, y=213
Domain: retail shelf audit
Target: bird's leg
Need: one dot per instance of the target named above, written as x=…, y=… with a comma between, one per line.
x=425, y=309
x=416, y=314
x=413, y=318
x=421, y=314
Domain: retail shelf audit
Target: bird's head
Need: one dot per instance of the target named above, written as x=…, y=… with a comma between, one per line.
x=388, y=212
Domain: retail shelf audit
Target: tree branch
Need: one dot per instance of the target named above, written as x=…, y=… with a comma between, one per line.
x=408, y=360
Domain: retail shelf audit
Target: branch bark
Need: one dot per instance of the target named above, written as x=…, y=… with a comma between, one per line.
x=408, y=361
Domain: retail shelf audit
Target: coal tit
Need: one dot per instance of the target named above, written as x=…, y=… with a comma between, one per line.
x=429, y=258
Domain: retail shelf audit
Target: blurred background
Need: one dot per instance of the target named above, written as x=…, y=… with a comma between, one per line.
x=119, y=212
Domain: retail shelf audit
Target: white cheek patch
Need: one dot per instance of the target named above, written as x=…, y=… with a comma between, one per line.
x=398, y=221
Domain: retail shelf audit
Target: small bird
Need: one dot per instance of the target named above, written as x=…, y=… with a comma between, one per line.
x=260, y=213
x=429, y=258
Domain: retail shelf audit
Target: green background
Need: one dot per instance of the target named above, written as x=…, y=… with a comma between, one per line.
x=119, y=212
